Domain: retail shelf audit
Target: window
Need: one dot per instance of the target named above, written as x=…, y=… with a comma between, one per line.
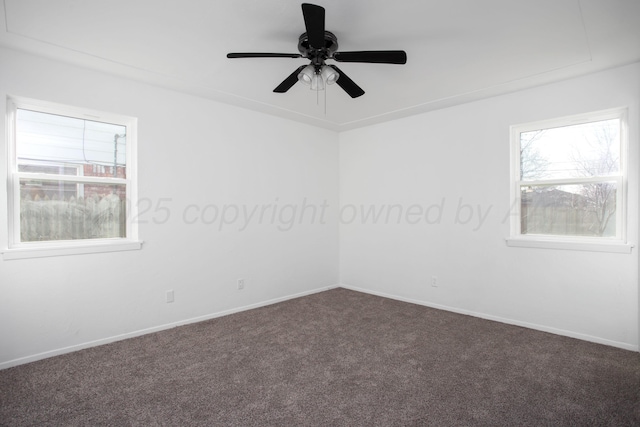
x=71, y=180
x=569, y=183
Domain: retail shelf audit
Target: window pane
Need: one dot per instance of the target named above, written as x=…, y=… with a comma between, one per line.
x=57, y=210
x=49, y=143
x=569, y=210
x=578, y=151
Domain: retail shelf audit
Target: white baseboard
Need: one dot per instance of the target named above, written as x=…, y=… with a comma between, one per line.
x=133, y=334
x=537, y=327
x=81, y=346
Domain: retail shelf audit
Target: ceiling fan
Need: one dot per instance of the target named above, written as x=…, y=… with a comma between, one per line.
x=319, y=45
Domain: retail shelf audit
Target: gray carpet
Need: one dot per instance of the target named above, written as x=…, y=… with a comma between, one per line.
x=334, y=358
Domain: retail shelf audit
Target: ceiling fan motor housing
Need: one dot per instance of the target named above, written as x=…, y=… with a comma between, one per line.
x=318, y=56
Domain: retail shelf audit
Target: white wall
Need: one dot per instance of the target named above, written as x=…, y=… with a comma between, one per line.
x=192, y=152
x=460, y=155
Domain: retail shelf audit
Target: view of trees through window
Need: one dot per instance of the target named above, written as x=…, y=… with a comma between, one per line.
x=569, y=179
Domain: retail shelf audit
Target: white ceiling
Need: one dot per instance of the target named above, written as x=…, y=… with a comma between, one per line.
x=458, y=50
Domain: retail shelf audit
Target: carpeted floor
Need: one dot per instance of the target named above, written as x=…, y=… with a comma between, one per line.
x=334, y=358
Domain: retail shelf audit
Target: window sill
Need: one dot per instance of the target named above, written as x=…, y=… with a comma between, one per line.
x=612, y=247
x=80, y=249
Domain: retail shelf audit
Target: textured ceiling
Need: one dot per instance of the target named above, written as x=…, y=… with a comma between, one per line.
x=458, y=50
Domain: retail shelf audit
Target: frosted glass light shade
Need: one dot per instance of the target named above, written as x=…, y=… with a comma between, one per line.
x=329, y=75
x=306, y=75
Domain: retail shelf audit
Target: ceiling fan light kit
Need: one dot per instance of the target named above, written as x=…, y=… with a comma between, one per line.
x=318, y=46
x=317, y=78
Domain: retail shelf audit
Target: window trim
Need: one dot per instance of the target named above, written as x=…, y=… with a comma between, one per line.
x=617, y=244
x=14, y=248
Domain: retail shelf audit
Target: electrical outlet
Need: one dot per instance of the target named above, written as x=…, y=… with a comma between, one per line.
x=434, y=281
x=240, y=284
x=169, y=296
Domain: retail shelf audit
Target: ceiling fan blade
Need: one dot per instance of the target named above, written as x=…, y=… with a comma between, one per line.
x=373, y=56
x=289, y=81
x=314, y=22
x=263, y=55
x=347, y=84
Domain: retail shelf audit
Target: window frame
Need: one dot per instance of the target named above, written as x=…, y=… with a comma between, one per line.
x=15, y=248
x=618, y=243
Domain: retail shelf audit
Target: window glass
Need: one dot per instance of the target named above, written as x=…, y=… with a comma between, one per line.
x=578, y=151
x=50, y=143
x=569, y=177
x=573, y=210
x=53, y=210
